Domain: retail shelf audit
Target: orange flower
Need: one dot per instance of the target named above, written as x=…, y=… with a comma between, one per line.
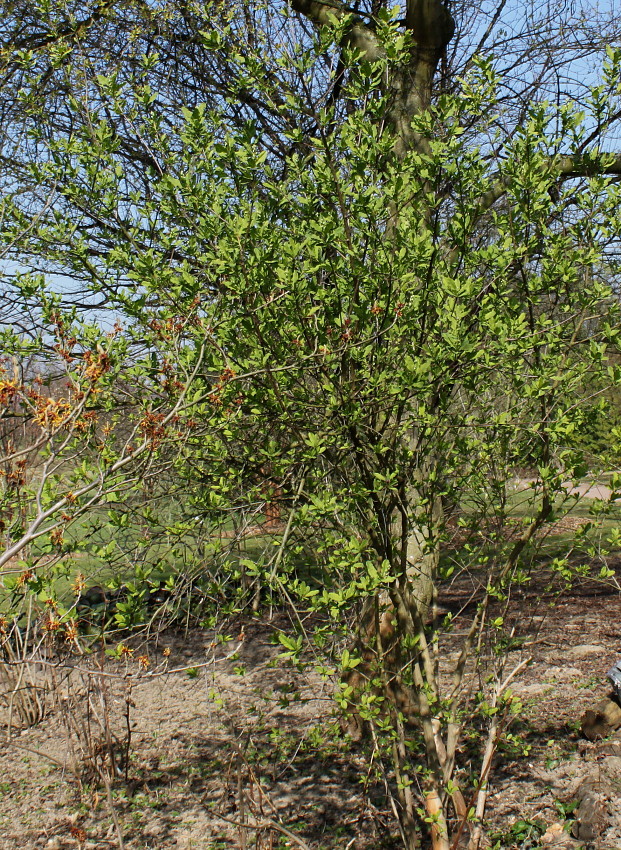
x=151, y=427
x=51, y=624
x=78, y=584
x=51, y=412
x=8, y=390
x=56, y=536
x=25, y=577
x=71, y=631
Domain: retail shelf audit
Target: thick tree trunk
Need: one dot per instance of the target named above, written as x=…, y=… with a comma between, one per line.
x=431, y=28
x=420, y=559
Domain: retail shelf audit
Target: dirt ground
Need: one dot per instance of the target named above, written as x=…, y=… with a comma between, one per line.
x=239, y=736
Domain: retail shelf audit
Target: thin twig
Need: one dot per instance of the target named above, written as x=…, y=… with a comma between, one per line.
x=268, y=824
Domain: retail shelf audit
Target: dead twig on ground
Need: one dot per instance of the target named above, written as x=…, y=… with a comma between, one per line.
x=267, y=823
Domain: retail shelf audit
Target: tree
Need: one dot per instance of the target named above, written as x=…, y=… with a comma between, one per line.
x=383, y=284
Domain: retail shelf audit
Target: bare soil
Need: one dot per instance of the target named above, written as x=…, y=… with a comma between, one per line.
x=227, y=733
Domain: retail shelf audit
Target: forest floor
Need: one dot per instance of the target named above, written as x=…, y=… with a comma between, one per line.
x=225, y=733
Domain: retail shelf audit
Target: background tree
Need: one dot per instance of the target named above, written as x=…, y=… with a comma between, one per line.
x=365, y=280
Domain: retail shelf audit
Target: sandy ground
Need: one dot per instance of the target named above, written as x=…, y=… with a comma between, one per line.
x=244, y=737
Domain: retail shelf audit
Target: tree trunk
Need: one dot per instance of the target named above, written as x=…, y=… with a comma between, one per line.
x=386, y=620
